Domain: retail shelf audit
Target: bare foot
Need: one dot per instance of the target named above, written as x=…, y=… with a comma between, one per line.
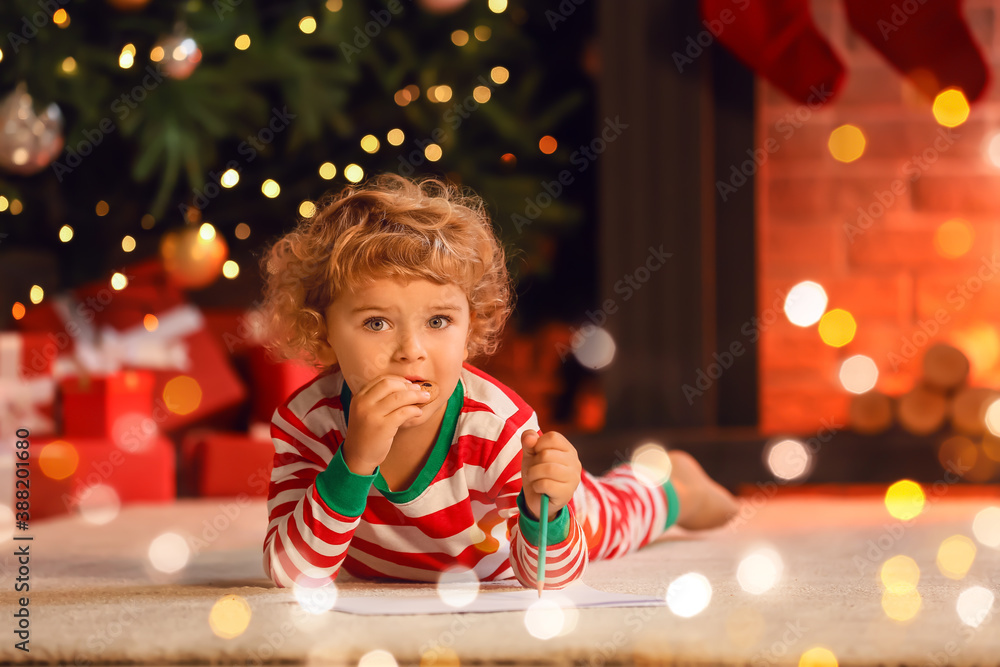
x=704, y=503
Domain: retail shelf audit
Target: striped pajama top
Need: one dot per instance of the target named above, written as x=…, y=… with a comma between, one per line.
x=464, y=511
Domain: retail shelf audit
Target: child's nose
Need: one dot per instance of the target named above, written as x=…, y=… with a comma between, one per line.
x=410, y=346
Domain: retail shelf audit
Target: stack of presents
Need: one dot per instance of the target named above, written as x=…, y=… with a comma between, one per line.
x=141, y=393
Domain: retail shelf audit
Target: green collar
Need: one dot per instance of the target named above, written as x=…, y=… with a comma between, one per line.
x=438, y=454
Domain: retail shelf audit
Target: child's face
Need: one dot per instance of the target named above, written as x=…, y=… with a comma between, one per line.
x=419, y=329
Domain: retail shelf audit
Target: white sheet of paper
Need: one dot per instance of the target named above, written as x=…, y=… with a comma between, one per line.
x=578, y=595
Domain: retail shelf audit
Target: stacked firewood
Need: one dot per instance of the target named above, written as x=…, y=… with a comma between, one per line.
x=941, y=395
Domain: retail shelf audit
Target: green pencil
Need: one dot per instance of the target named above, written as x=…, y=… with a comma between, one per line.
x=543, y=543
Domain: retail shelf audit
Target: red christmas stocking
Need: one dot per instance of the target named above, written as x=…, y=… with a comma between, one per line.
x=927, y=40
x=778, y=40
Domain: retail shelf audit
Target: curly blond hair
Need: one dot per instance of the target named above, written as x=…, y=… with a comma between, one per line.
x=390, y=227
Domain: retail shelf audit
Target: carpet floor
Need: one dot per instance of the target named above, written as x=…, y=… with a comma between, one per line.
x=95, y=597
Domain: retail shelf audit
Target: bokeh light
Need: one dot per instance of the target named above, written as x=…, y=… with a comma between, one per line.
x=242, y=231
x=395, y=136
x=327, y=171
x=689, y=594
x=986, y=527
x=58, y=460
x=499, y=74
x=905, y=499
x=651, y=464
x=460, y=38
x=307, y=25
x=370, y=143
x=229, y=617
x=955, y=556
x=182, y=394
x=128, y=243
x=993, y=150
x=481, y=94
x=953, y=238
x=316, y=600
x=230, y=177
x=593, y=347
x=951, y=109
x=242, y=42
x=901, y=607
x=548, y=144
x=36, y=294
x=544, y=619
x=900, y=574
x=270, y=188
x=65, y=233
x=837, y=327
x=846, y=143
x=458, y=587
x=169, y=552
x=858, y=374
x=433, y=152
x=230, y=269
x=99, y=504
x=787, y=459
x=760, y=570
x=118, y=281
x=818, y=656
x=805, y=303
x=993, y=417
x=353, y=173
x=307, y=209
x=377, y=658
x=974, y=605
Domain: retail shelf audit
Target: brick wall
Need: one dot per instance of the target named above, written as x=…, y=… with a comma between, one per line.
x=889, y=275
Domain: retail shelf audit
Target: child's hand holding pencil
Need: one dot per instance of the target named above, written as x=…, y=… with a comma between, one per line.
x=550, y=473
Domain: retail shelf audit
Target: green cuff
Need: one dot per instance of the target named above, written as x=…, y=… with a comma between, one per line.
x=531, y=530
x=673, y=503
x=343, y=491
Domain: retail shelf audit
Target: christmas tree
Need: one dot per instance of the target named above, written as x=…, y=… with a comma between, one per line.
x=127, y=121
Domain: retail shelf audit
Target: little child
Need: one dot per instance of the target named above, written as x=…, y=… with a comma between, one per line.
x=401, y=459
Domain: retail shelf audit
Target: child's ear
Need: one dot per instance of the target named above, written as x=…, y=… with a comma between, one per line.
x=325, y=354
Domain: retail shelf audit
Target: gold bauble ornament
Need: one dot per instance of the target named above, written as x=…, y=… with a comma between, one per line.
x=181, y=54
x=193, y=258
x=29, y=142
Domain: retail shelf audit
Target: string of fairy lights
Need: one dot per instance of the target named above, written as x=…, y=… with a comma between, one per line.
x=179, y=55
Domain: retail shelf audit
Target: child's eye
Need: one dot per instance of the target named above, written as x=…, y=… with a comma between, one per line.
x=373, y=319
x=441, y=318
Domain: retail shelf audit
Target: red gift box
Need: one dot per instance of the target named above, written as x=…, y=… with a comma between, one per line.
x=98, y=407
x=229, y=464
x=208, y=386
x=233, y=328
x=27, y=390
x=145, y=325
x=67, y=469
x=274, y=381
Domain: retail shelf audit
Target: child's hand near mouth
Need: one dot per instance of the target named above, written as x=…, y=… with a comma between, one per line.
x=377, y=412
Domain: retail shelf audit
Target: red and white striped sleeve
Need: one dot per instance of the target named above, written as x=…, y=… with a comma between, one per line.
x=566, y=553
x=314, y=503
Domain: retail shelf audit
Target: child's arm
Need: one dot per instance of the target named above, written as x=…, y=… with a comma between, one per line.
x=566, y=556
x=313, y=508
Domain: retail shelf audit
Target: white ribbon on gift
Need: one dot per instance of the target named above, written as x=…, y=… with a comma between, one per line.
x=21, y=396
x=108, y=350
